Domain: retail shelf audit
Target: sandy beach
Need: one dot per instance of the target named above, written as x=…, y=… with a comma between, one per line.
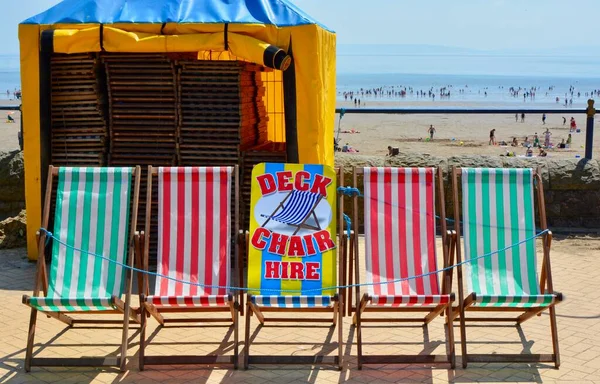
x=457, y=134
x=8, y=131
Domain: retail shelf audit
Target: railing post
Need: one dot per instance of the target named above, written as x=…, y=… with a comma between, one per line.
x=589, y=130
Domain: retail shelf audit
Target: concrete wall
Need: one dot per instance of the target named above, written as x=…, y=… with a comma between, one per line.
x=571, y=187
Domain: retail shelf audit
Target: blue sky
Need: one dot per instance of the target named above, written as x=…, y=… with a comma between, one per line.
x=475, y=24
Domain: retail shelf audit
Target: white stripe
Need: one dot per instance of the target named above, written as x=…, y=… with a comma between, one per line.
x=173, y=231
x=381, y=254
x=93, y=246
x=534, y=256
x=121, y=255
x=187, y=232
x=410, y=248
x=76, y=240
x=479, y=228
x=423, y=212
x=367, y=201
x=494, y=234
x=228, y=218
x=508, y=237
x=395, y=255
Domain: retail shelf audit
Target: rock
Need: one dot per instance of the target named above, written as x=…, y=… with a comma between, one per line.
x=12, y=180
x=13, y=231
x=574, y=174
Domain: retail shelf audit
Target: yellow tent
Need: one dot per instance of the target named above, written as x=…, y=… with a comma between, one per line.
x=267, y=32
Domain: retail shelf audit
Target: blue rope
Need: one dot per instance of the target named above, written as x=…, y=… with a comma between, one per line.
x=348, y=225
x=51, y=235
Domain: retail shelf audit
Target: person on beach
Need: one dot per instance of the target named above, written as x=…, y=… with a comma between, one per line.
x=529, y=152
x=544, y=119
x=543, y=153
x=573, y=125
x=516, y=117
x=522, y=117
x=514, y=143
x=431, y=132
x=569, y=141
x=547, y=135
x=536, y=140
x=492, y=137
x=564, y=120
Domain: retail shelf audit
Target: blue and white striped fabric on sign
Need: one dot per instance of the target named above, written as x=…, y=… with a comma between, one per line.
x=295, y=210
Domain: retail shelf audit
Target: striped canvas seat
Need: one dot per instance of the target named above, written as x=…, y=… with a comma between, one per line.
x=302, y=301
x=194, y=236
x=298, y=206
x=498, y=210
x=92, y=214
x=399, y=216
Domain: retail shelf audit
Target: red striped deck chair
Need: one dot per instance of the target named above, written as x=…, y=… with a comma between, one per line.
x=498, y=210
x=195, y=241
x=96, y=211
x=400, y=234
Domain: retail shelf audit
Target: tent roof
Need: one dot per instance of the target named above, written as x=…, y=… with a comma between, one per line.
x=281, y=13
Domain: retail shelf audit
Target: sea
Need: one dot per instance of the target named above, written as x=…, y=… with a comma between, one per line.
x=490, y=79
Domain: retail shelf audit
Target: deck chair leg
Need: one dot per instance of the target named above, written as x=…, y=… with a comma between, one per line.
x=236, y=320
x=357, y=322
x=450, y=329
x=247, y=334
x=124, y=341
x=350, y=274
x=30, y=339
x=463, y=335
x=436, y=311
x=554, y=330
x=340, y=325
x=142, y=352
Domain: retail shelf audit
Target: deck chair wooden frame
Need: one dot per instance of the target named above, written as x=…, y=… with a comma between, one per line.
x=467, y=303
x=121, y=307
x=303, y=224
x=158, y=311
x=336, y=309
x=431, y=310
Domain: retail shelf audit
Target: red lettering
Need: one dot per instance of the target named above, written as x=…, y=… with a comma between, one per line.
x=296, y=272
x=283, y=181
x=266, y=183
x=296, y=247
x=272, y=270
x=320, y=185
x=285, y=265
x=258, y=238
x=278, y=243
x=310, y=247
x=324, y=242
x=312, y=271
x=299, y=183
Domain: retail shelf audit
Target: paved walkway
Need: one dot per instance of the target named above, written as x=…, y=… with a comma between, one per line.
x=576, y=264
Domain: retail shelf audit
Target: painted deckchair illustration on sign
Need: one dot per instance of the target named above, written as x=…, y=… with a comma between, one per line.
x=290, y=273
x=498, y=211
x=399, y=224
x=194, y=245
x=297, y=211
x=96, y=211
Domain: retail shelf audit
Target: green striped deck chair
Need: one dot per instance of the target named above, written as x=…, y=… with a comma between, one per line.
x=94, y=213
x=498, y=211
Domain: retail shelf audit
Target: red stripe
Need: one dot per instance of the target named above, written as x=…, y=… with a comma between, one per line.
x=224, y=218
x=430, y=203
x=166, y=232
x=195, y=249
x=208, y=266
x=387, y=219
x=179, y=256
x=374, y=229
x=416, y=224
x=402, y=230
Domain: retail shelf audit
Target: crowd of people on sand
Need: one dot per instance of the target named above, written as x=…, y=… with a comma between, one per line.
x=359, y=96
x=16, y=94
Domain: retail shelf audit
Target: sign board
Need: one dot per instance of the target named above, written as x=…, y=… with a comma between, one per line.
x=292, y=229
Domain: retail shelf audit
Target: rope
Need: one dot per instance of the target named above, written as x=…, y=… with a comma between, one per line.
x=51, y=235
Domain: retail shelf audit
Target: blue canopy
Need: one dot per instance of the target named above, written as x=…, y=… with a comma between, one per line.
x=281, y=13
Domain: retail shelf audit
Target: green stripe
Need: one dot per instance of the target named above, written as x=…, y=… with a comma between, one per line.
x=71, y=234
x=472, y=225
x=487, y=229
x=514, y=229
x=126, y=225
x=57, y=223
x=85, y=218
x=530, y=231
x=101, y=215
x=500, y=231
